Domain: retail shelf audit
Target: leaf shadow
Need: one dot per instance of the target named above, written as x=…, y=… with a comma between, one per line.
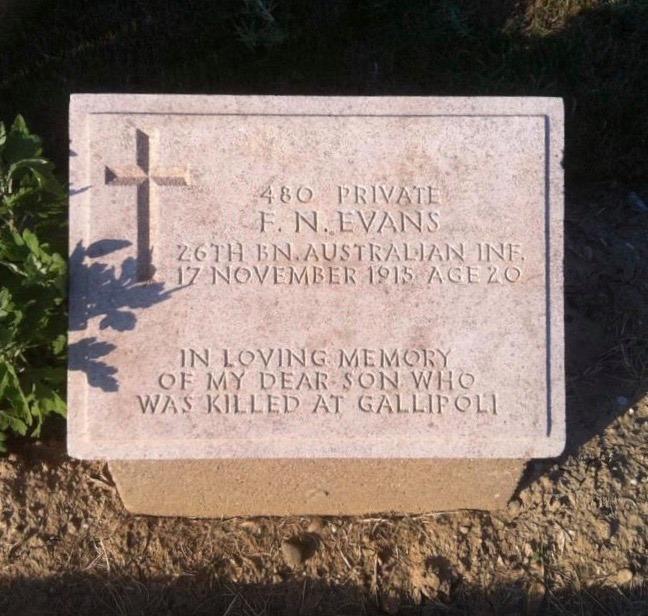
x=113, y=295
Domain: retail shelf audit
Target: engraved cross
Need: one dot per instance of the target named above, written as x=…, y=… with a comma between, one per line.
x=146, y=175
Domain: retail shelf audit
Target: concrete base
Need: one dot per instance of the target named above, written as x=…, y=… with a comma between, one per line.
x=218, y=488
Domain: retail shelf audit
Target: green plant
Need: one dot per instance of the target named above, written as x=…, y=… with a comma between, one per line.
x=32, y=285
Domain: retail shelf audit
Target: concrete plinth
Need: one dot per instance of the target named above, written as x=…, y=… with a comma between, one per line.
x=217, y=488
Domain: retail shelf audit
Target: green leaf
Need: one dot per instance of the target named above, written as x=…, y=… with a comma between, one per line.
x=4, y=379
x=11, y=390
x=15, y=423
x=59, y=344
x=49, y=400
x=19, y=143
x=31, y=241
x=33, y=285
x=51, y=375
x=26, y=164
x=5, y=302
x=40, y=170
x=17, y=238
x=19, y=125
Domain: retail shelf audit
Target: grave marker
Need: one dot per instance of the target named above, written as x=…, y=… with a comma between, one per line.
x=339, y=281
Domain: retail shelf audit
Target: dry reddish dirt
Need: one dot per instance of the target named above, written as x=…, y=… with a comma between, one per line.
x=572, y=541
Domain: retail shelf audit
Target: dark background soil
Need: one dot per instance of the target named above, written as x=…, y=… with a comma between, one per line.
x=574, y=540
x=593, y=53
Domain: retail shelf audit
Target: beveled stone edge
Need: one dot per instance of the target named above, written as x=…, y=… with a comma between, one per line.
x=82, y=105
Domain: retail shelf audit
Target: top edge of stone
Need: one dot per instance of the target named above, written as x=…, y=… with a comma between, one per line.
x=197, y=103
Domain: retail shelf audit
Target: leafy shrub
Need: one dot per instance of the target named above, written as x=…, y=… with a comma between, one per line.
x=33, y=284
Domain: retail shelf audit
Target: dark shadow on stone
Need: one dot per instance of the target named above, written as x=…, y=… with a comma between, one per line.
x=84, y=355
x=98, y=291
x=77, y=191
x=101, y=248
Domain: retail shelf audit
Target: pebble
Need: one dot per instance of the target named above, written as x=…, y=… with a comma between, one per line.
x=316, y=525
x=251, y=525
x=546, y=484
x=624, y=576
x=432, y=581
x=293, y=553
x=514, y=507
x=603, y=529
x=497, y=523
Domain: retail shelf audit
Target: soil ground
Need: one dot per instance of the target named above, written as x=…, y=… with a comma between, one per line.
x=573, y=541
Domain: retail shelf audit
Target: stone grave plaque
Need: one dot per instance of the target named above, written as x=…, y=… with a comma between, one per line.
x=312, y=277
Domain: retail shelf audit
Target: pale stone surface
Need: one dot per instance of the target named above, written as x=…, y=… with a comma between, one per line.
x=215, y=488
x=430, y=289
